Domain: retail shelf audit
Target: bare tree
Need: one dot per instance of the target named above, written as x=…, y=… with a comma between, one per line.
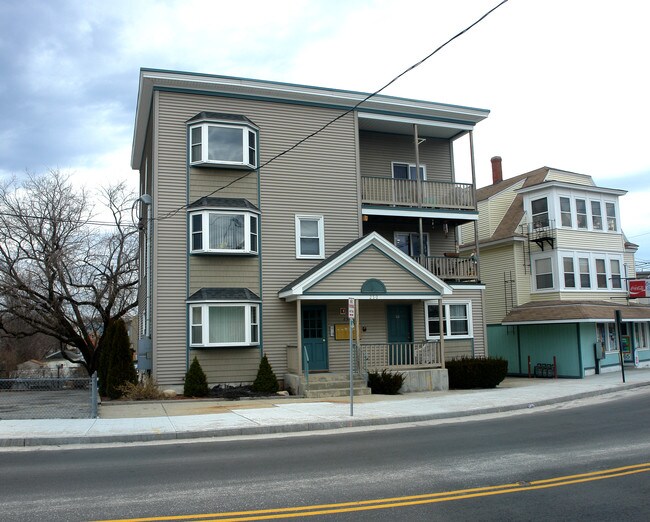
x=61, y=273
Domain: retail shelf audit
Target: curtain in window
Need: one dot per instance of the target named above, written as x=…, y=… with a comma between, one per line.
x=458, y=320
x=226, y=232
x=227, y=324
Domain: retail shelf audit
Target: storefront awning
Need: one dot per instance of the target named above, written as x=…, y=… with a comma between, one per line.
x=540, y=312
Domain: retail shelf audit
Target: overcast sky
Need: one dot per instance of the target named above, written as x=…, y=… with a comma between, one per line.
x=567, y=81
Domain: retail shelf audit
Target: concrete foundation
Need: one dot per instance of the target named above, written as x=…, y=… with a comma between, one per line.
x=433, y=379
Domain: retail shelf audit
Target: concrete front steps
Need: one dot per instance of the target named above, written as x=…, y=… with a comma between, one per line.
x=332, y=385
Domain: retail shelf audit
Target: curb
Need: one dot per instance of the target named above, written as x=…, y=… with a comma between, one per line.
x=18, y=442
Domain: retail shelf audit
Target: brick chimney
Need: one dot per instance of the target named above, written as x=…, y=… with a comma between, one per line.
x=497, y=173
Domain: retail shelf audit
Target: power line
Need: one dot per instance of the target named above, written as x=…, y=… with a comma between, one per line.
x=342, y=115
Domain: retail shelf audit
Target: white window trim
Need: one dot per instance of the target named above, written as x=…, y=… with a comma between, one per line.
x=533, y=273
x=205, y=326
x=603, y=201
x=205, y=232
x=592, y=256
x=321, y=236
x=245, y=129
x=447, y=320
x=410, y=165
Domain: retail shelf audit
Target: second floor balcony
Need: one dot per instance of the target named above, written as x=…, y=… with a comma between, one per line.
x=405, y=193
x=450, y=267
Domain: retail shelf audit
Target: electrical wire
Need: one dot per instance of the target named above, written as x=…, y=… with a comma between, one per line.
x=342, y=115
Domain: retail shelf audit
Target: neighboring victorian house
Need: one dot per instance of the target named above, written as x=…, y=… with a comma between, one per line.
x=556, y=263
x=265, y=207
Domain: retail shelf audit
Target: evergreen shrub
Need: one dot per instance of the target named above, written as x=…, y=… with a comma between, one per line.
x=120, y=366
x=196, y=383
x=476, y=372
x=386, y=382
x=266, y=381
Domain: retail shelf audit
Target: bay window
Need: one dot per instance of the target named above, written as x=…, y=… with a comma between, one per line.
x=610, y=209
x=539, y=211
x=225, y=232
x=222, y=140
x=224, y=324
x=543, y=273
x=596, y=216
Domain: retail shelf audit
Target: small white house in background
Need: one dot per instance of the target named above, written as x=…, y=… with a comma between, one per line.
x=556, y=264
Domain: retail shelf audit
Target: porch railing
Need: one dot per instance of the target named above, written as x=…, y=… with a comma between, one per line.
x=450, y=267
x=404, y=192
x=398, y=356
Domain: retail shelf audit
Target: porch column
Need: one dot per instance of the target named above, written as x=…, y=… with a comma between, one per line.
x=299, y=335
x=476, y=247
x=441, y=322
x=420, y=188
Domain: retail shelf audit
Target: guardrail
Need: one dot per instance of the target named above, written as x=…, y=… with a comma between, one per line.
x=399, y=356
x=404, y=192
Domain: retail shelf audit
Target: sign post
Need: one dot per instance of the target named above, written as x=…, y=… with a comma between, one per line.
x=351, y=315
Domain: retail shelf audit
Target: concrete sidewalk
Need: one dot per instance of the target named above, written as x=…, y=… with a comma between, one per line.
x=189, y=419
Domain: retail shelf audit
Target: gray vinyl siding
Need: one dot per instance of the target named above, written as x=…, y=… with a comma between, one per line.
x=479, y=347
x=170, y=258
x=370, y=264
x=232, y=366
x=319, y=177
x=378, y=151
x=230, y=183
x=217, y=271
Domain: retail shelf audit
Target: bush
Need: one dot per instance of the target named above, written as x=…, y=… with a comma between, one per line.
x=196, y=383
x=266, y=381
x=386, y=383
x=145, y=390
x=120, y=365
x=476, y=372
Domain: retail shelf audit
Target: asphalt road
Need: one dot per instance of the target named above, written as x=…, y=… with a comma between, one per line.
x=563, y=463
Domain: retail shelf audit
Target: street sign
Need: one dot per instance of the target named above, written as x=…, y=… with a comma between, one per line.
x=351, y=308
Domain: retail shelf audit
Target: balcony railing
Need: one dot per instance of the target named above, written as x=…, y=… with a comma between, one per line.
x=398, y=356
x=457, y=268
x=404, y=193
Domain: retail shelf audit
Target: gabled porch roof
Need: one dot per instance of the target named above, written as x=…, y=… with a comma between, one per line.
x=367, y=268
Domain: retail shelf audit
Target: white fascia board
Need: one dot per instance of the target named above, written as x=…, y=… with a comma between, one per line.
x=387, y=248
x=466, y=287
x=363, y=297
x=388, y=211
x=416, y=121
x=571, y=186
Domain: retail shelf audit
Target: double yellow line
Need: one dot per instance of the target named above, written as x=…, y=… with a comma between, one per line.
x=389, y=503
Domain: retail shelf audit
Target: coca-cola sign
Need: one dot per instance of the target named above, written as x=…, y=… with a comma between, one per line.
x=639, y=288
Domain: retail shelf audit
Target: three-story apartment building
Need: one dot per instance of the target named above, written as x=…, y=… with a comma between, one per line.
x=266, y=207
x=556, y=265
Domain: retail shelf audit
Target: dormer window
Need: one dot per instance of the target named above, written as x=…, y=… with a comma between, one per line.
x=223, y=226
x=224, y=140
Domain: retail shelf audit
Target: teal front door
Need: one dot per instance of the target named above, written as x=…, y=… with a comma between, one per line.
x=399, y=324
x=314, y=336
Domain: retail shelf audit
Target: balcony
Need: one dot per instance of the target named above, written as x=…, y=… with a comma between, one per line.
x=404, y=193
x=450, y=267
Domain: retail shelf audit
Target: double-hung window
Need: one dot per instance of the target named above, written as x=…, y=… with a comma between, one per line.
x=596, y=216
x=223, y=232
x=543, y=273
x=310, y=237
x=457, y=320
x=565, y=212
x=585, y=274
x=222, y=140
x=569, y=272
x=539, y=211
x=581, y=213
x=601, y=273
x=610, y=209
x=224, y=324
x=615, y=267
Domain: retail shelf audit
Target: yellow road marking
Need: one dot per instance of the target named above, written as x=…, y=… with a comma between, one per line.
x=393, y=502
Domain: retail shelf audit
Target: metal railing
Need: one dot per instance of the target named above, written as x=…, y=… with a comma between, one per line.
x=404, y=192
x=398, y=356
x=36, y=397
x=450, y=267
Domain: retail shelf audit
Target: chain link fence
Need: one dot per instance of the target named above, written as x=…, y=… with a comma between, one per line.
x=39, y=395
